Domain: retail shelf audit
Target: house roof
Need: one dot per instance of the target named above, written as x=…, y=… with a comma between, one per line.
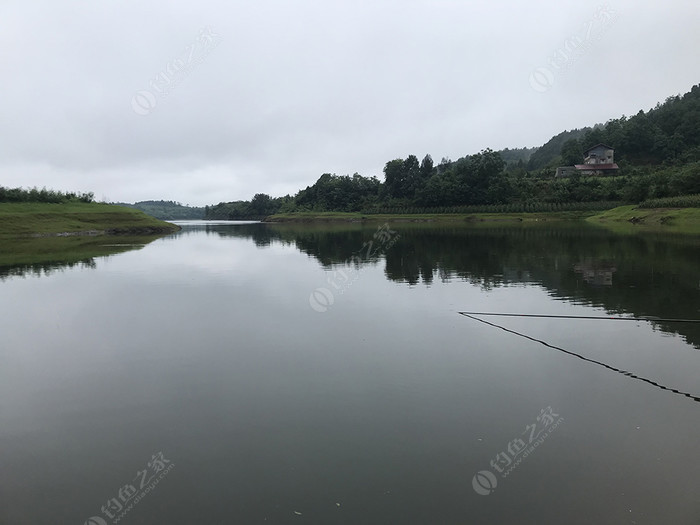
x=600, y=144
x=596, y=167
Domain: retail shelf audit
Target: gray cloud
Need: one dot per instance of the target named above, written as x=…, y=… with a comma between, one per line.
x=296, y=88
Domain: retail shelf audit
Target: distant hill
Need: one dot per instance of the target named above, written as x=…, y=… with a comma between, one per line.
x=513, y=156
x=667, y=134
x=549, y=153
x=167, y=210
x=657, y=152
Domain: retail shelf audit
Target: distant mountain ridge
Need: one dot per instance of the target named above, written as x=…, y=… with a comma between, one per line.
x=167, y=210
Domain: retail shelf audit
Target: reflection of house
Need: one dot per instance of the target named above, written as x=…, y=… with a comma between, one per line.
x=596, y=273
x=516, y=275
x=598, y=160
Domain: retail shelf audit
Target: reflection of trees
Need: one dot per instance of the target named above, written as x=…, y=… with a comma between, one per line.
x=330, y=244
x=47, y=268
x=653, y=275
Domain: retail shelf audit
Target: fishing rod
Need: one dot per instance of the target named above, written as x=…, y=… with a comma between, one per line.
x=598, y=317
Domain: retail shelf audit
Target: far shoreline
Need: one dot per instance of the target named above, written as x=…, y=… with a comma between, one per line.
x=623, y=219
x=427, y=217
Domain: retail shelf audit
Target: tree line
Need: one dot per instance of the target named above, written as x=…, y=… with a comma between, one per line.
x=43, y=195
x=658, y=153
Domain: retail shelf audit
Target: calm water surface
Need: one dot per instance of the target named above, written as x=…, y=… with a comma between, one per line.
x=274, y=374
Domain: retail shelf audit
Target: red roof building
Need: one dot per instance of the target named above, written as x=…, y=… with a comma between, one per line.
x=597, y=160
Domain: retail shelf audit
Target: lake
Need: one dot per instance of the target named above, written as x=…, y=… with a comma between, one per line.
x=288, y=373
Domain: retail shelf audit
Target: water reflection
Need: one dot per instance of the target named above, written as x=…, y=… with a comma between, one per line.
x=43, y=269
x=203, y=347
x=654, y=275
x=596, y=273
x=583, y=358
x=44, y=256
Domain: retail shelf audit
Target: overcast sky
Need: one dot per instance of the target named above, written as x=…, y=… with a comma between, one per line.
x=209, y=101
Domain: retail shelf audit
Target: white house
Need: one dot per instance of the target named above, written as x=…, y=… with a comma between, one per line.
x=597, y=160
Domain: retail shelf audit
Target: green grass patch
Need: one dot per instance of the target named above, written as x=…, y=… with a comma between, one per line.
x=629, y=219
x=623, y=219
x=23, y=219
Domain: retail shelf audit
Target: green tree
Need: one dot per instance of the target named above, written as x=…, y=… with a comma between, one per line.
x=261, y=205
x=395, y=179
x=426, y=167
x=412, y=176
x=571, y=153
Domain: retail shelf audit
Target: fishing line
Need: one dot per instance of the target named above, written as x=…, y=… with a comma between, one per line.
x=599, y=317
x=599, y=363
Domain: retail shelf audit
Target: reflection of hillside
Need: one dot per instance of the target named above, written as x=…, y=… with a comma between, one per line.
x=584, y=358
x=653, y=276
x=637, y=275
x=329, y=243
x=43, y=256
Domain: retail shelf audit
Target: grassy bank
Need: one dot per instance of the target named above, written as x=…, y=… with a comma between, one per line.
x=429, y=217
x=628, y=219
x=625, y=219
x=40, y=219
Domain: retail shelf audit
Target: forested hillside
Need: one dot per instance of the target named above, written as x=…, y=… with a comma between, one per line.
x=658, y=153
x=167, y=210
x=550, y=153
